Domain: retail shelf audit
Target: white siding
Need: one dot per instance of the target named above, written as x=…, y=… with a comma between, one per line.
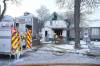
x=64, y=33
x=95, y=31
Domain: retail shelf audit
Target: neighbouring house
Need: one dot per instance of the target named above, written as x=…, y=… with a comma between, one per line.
x=91, y=27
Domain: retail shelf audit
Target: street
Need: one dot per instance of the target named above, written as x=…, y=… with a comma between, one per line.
x=52, y=54
x=46, y=55
x=5, y=59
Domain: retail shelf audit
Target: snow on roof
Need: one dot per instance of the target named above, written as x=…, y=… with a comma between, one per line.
x=56, y=24
x=8, y=18
x=88, y=23
x=93, y=23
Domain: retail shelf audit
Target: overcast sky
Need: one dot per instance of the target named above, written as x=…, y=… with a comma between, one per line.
x=32, y=5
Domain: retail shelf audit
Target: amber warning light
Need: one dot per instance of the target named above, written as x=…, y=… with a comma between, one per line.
x=13, y=30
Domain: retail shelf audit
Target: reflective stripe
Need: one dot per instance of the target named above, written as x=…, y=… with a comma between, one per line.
x=28, y=39
x=15, y=41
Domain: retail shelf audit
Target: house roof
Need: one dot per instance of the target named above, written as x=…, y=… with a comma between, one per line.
x=93, y=23
x=56, y=24
x=88, y=23
x=8, y=18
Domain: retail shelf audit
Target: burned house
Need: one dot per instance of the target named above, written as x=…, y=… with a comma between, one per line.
x=52, y=27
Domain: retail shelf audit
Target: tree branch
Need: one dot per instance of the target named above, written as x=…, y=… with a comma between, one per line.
x=4, y=10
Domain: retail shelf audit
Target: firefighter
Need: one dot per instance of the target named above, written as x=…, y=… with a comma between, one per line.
x=55, y=37
x=23, y=38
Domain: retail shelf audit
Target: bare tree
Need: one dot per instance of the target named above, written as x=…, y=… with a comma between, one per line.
x=77, y=22
x=79, y=7
x=43, y=15
x=2, y=14
x=5, y=7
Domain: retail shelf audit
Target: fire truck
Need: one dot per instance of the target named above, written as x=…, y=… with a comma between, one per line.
x=15, y=37
x=9, y=39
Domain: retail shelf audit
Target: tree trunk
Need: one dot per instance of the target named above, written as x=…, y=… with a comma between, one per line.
x=77, y=22
x=67, y=31
x=4, y=10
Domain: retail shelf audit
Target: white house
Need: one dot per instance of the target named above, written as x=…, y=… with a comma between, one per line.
x=51, y=27
x=94, y=29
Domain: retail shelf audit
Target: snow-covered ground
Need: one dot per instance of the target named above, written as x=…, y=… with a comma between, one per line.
x=70, y=46
x=45, y=55
x=83, y=44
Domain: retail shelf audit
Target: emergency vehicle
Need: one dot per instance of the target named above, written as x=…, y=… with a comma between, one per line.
x=15, y=37
x=9, y=39
x=16, y=34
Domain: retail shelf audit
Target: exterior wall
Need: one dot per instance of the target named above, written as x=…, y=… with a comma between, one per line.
x=64, y=34
x=72, y=33
x=94, y=33
x=49, y=36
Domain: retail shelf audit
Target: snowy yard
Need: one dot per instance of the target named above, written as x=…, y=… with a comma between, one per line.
x=49, y=53
x=70, y=47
